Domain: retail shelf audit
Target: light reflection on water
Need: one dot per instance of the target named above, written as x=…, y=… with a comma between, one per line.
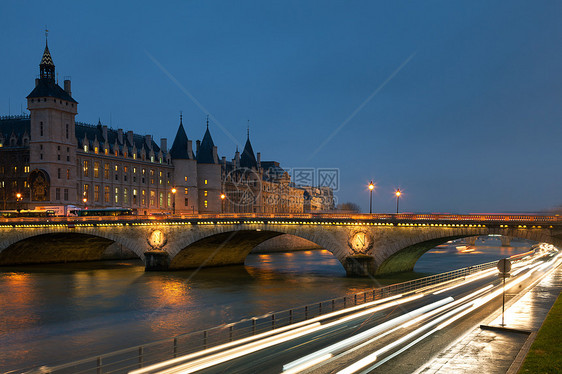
x=52, y=313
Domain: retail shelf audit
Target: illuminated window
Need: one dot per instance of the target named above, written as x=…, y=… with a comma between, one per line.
x=106, y=151
x=169, y=199
x=161, y=200
x=106, y=171
x=96, y=169
x=186, y=179
x=205, y=181
x=134, y=170
x=143, y=197
x=151, y=158
x=96, y=150
x=116, y=194
x=135, y=196
x=152, y=198
x=86, y=191
x=67, y=175
x=85, y=168
x=205, y=203
x=125, y=195
x=134, y=156
x=96, y=193
x=26, y=169
x=106, y=194
x=186, y=190
x=116, y=168
x=205, y=193
x=85, y=148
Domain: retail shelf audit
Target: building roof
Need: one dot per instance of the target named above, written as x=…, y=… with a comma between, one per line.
x=179, y=147
x=16, y=125
x=248, y=158
x=96, y=132
x=46, y=85
x=205, y=154
x=46, y=88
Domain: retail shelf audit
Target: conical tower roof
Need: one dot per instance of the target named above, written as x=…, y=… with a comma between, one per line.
x=205, y=153
x=179, y=147
x=248, y=158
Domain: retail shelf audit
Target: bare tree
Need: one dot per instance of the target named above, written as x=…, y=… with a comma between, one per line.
x=349, y=207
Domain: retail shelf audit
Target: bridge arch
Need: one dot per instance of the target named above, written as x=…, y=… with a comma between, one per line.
x=52, y=244
x=403, y=257
x=219, y=245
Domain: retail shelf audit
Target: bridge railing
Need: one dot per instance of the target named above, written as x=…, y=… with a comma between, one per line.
x=314, y=217
x=128, y=359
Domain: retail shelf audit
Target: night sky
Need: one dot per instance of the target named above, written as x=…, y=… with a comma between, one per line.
x=456, y=103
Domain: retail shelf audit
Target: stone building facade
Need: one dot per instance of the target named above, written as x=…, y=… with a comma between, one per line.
x=49, y=159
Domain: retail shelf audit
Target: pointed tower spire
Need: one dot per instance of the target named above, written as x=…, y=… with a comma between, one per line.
x=248, y=130
x=47, y=66
x=207, y=122
x=179, y=148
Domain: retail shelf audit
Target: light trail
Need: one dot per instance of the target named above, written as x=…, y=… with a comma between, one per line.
x=221, y=357
x=365, y=335
x=473, y=278
x=443, y=321
x=386, y=303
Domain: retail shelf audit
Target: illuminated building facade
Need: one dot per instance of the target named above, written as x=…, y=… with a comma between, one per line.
x=50, y=159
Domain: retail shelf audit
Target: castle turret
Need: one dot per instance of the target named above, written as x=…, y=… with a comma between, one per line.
x=185, y=172
x=209, y=175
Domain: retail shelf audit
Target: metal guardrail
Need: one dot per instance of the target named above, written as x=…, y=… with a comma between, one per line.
x=140, y=356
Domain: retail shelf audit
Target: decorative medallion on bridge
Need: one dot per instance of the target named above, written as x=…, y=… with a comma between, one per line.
x=360, y=241
x=157, y=239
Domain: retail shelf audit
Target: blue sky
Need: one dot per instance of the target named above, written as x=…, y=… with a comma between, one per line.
x=469, y=120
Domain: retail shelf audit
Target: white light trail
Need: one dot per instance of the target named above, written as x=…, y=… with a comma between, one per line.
x=273, y=332
x=366, y=334
x=221, y=357
x=443, y=321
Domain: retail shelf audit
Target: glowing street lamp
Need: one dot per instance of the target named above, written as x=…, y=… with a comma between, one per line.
x=223, y=196
x=174, y=190
x=397, y=193
x=371, y=188
x=18, y=199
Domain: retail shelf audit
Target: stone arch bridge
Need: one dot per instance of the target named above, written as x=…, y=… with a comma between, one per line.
x=365, y=244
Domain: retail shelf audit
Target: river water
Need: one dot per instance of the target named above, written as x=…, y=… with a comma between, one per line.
x=59, y=313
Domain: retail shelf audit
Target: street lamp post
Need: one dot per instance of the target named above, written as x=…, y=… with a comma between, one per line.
x=397, y=193
x=223, y=196
x=85, y=200
x=18, y=199
x=174, y=190
x=371, y=188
